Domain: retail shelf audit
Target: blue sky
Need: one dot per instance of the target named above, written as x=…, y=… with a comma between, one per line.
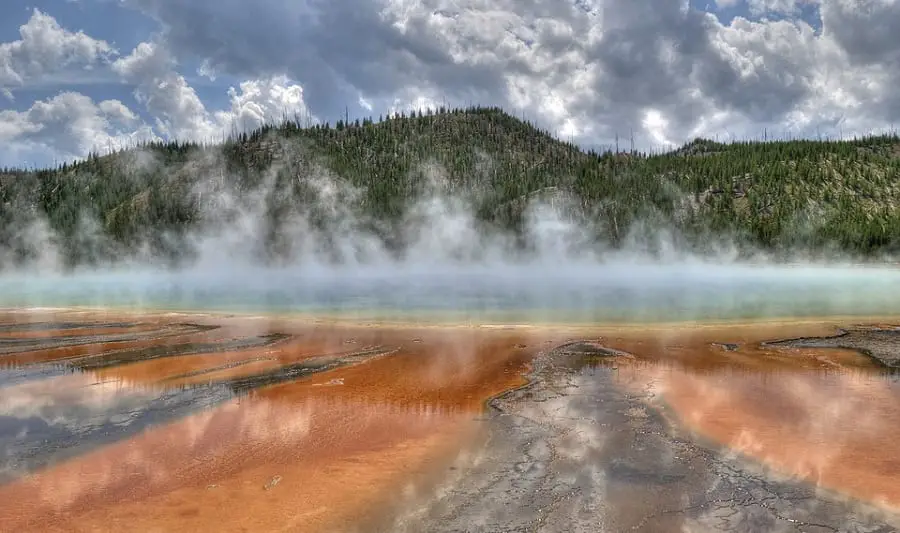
x=805, y=11
x=86, y=74
x=122, y=27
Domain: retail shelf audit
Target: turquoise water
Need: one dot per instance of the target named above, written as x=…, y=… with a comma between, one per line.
x=549, y=293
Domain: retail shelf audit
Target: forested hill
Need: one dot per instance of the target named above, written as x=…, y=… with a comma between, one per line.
x=780, y=196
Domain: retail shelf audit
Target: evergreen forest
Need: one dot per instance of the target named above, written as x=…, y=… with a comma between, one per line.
x=784, y=197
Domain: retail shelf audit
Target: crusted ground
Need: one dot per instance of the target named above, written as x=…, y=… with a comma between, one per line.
x=573, y=451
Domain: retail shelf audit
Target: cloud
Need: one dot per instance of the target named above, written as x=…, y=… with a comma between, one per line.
x=589, y=69
x=180, y=113
x=767, y=68
x=46, y=48
x=336, y=50
x=69, y=125
x=865, y=31
x=258, y=102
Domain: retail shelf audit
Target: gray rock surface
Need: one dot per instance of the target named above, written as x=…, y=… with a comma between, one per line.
x=573, y=452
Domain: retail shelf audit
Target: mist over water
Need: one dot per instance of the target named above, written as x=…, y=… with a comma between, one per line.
x=545, y=292
x=451, y=268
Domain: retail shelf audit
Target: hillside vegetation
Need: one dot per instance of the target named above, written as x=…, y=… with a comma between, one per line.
x=785, y=197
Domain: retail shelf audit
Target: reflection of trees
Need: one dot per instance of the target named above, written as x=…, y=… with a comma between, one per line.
x=827, y=427
x=243, y=434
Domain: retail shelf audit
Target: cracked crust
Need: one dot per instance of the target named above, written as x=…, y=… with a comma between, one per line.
x=574, y=451
x=881, y=344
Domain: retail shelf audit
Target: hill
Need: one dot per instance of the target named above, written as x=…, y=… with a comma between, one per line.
x=371, y=177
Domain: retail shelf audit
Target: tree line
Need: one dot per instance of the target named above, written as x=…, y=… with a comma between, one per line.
x=782, y=196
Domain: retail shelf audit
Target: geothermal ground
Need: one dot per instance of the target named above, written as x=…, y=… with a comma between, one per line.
x=193, y=422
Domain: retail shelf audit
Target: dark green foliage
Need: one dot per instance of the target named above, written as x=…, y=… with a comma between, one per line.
x=786, y=197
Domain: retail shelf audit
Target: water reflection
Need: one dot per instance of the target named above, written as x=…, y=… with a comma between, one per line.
x=46, y=421
x=163, y=428
x=831, y=425
x=233, y=452
x=337, y=418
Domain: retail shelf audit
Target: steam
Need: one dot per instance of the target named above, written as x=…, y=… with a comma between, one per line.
x=322, y=253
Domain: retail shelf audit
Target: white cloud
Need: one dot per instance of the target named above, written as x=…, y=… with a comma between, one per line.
x=260, y=102
x=179, y=111
x=206, y=70
x=589, y=69
x=46, y=48
x=181, y=114
x=657, y=125
x=175, y=106
x=70, y=125
x=117, y=112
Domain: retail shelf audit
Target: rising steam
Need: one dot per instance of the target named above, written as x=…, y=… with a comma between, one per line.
x=324, y=255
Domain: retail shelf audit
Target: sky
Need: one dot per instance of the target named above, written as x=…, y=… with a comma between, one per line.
x=83, y=75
